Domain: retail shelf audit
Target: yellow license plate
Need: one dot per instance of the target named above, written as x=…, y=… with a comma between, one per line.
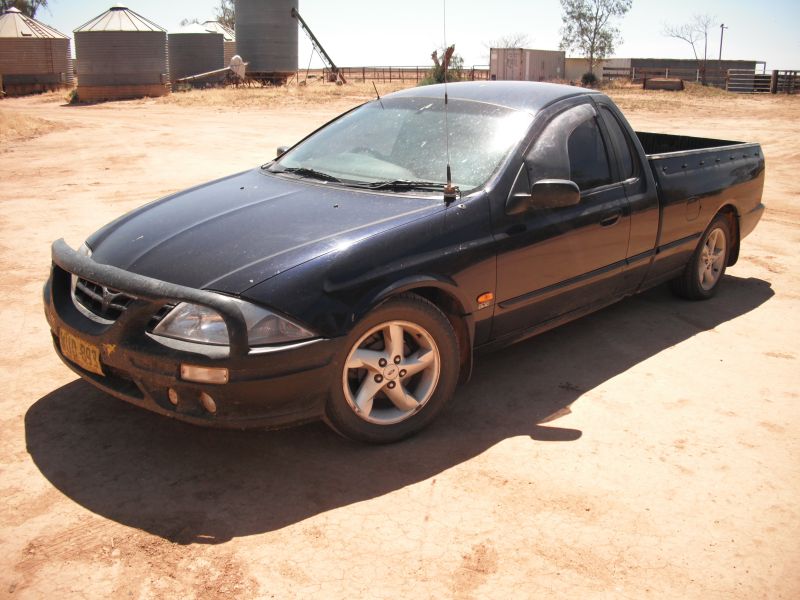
x=83, y=354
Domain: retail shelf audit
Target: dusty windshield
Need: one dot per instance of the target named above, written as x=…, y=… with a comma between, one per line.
x=401, y=141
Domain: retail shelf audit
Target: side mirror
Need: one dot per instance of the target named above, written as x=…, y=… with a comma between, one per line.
x=546, y=193
x=282, y=150
x=555, y=193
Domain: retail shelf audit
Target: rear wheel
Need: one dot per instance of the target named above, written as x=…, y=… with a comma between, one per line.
x=701, y=277
x=400, y=368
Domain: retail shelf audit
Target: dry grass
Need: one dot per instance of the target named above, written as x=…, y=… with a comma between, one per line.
x=312, y=94
x=17, y=126
x=625, y=94
x=695, y=96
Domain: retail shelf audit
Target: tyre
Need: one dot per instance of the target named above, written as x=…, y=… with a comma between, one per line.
x=398, y=370
x=701, y=277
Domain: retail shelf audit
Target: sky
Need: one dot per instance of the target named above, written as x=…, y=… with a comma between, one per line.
x=404, y=33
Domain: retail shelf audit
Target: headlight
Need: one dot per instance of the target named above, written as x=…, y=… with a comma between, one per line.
x=196, y=323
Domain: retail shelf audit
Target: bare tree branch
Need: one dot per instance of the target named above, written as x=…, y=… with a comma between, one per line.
x=693, y=33
x=226, y=13
x=512, y=40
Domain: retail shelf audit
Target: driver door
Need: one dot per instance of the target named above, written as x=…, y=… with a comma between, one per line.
x=554, y=261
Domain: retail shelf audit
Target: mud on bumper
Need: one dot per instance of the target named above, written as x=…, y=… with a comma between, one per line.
x=266, y=387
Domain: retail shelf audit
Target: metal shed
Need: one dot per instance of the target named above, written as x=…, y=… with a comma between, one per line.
x=523, y=64
x=33, y=57
x=229, y=36
x=266, y=37
x=121, y=54
x=193, y=50
x=576, y=67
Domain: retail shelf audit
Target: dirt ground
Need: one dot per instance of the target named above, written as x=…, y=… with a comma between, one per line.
x=649, y=450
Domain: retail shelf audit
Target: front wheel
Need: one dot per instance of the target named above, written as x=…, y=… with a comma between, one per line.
x=399, y=369
x=701, y=277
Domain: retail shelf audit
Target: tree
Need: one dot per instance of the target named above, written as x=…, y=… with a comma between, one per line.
x=444, y=61
x=588, y=28
x=192, y=21
x=692, y=33
x=513, y=40
x=26, y=7
x=226, y=13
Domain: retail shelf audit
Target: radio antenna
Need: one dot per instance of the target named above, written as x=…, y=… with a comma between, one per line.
x=378, y=95
x=450, y=191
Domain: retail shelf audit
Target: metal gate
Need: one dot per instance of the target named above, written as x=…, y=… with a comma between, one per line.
x=749, y=81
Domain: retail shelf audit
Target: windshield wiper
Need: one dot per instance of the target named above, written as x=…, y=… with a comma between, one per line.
x=310, y=173
x=405, y=184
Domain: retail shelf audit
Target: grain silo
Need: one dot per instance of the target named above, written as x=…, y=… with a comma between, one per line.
x=121, y=54
x=33, y=57
x=229, y=36
x=193, y=50
x=266, y=37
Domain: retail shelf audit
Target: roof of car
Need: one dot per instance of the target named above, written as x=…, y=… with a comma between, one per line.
x=530, y=96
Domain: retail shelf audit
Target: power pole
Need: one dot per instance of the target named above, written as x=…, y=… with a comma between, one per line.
x=722, y=29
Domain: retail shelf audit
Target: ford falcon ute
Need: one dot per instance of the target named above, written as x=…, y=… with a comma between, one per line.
x=353, y=278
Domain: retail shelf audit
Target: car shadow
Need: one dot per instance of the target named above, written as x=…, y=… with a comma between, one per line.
x=194, y=485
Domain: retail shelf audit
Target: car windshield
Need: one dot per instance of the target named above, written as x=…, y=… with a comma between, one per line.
x=399, y=143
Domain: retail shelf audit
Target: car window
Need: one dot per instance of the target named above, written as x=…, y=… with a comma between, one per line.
x=621, y=143
x=588, y=159
x=570, y=147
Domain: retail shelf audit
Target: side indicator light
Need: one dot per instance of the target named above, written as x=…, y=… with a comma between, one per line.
x=486, y=299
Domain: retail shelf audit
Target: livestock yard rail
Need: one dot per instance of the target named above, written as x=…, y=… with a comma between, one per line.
x=747, y=81
x=742, y=81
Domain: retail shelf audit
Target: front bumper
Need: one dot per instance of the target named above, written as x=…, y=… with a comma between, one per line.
x=266, y=388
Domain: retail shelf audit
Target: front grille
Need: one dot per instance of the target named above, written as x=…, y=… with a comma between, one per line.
x=105, y=302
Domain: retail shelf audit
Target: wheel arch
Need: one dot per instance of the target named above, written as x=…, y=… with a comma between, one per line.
x=447, y=297
x=732, y=214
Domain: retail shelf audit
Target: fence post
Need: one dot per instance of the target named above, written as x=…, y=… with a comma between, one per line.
x=666, y=73
x=773, y=83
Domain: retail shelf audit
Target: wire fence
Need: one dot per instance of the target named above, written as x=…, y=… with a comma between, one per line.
x=391, y=74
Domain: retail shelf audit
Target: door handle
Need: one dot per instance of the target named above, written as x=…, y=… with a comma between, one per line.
x=611, y=219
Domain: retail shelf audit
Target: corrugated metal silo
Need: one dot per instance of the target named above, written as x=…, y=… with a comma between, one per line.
x=33, y=57
x=230, y=39
x=121, y=54
x=266, y=37
x=193, y=50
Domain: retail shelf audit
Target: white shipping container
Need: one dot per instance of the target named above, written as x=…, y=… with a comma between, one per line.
x=523, y=64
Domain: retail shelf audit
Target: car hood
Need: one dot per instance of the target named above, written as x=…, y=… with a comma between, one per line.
x=231, y=234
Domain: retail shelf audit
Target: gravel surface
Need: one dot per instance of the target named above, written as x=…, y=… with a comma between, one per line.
x=649, y=449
